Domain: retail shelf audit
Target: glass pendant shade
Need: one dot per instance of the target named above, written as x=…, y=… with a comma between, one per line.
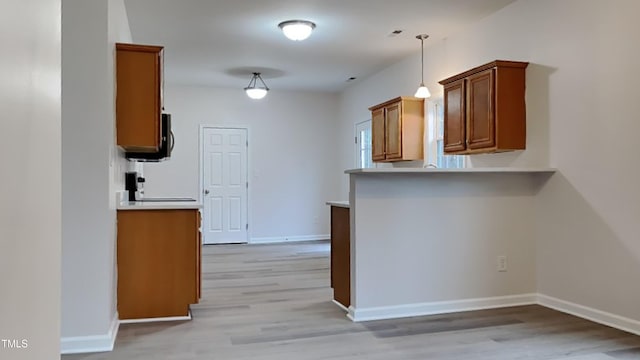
x=253, y=90
x=297, y=30
x=422, y=91
x=256, y=93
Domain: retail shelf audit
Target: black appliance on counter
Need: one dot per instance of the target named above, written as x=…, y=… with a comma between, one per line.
x=167, y=143
x=134, y=184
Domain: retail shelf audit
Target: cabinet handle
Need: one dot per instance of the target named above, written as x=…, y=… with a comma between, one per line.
x=206, y=192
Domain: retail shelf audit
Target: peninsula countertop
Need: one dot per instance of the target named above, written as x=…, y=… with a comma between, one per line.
x=344, y=204
x=428, y=171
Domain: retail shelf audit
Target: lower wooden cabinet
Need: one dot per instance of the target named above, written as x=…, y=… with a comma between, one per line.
x=341, y=255
x=159, y=262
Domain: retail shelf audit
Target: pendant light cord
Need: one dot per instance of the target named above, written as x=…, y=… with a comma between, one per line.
x=253, y=83
x=422, y=37
x=422, y=62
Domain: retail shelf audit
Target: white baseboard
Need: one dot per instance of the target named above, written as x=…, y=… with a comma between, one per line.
x=281, y=239
x=340, y=306
x=595, y=315
x=439, y=307
x=442, y=307
x=158, y=319
x=93, y=343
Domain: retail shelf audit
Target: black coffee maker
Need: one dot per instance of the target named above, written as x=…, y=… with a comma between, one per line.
x=134, y=184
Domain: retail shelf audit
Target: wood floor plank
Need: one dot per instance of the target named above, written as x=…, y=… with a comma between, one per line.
x=629, y=353
x=268, y=302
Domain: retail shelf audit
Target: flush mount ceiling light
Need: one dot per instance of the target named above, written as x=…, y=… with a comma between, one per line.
x=422, y=91
x=297, y=30
x=253, y=90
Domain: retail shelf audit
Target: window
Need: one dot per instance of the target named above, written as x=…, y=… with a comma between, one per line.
x=441, y=159
x=363, y=145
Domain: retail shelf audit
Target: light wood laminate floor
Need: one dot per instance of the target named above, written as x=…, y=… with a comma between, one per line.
x=273, y=302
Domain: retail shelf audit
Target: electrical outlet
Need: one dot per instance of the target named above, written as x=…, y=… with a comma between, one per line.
x=501, y=264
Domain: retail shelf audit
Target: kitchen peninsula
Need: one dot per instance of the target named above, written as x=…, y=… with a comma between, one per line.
x=425, y=241
x=158, y=259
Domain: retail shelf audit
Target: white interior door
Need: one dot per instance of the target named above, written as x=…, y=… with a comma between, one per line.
x=225, y=186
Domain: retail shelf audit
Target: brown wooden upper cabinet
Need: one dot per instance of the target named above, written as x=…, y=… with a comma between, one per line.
x=397, y=129
x=484, y=109
x=139, y=97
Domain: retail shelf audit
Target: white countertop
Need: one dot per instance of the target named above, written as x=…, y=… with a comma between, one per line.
x=158, y=205
x=343, y=204
x=486, y=170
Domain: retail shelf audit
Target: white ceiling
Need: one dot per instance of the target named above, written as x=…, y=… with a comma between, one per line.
x=220, y=42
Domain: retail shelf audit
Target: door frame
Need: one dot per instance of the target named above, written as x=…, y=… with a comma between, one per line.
x=201, y=167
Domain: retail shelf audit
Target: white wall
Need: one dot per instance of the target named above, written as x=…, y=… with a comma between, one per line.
x=118, y=31
x=30, y=216
x=291, y=155
x=581, y=118
x=588, y=250
x=426, y=238
x=92, y=171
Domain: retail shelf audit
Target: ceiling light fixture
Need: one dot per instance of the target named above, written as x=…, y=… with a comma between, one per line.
x=297, y=30
x=422, y=91
x=253, y=91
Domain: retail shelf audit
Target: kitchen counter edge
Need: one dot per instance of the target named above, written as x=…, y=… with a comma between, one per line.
x=164, y=205
x=343, y=204
x=426, y=171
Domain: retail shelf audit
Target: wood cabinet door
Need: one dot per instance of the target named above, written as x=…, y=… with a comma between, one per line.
x=157, y=260
x=138, y=97
x=341, y=255
x=377, y=135
x=198, y=257
x=393, y=134
x=480, y=113
x=454, y=117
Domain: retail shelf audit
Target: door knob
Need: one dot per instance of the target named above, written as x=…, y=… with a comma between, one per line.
x=206, y=192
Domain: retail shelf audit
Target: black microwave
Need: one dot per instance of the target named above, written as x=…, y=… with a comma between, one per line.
x=167, y=143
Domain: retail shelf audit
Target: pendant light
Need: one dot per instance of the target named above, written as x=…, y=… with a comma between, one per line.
x=422, y=91
x=297, y=30
x=253, y=91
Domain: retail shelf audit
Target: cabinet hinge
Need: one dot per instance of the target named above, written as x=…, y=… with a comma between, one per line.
x=247, y=184
x=247, y=226
x=356, y=139
x=247, y=143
